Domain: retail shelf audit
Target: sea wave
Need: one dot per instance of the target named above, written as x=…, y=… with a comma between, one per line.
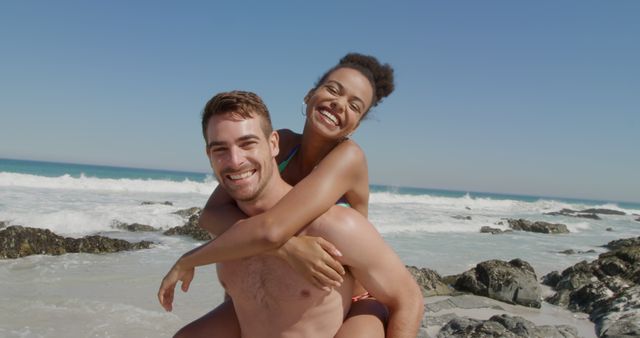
x=468, y=203
x=83, y=182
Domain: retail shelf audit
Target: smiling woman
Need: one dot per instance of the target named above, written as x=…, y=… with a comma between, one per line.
x=336, y=107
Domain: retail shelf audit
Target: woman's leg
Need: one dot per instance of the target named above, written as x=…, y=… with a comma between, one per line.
x=220, y=322
x=366, y=318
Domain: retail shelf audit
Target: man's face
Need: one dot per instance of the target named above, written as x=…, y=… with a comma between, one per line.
x=241, y=157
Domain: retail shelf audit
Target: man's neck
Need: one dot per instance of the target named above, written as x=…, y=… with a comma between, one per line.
x=275, y=189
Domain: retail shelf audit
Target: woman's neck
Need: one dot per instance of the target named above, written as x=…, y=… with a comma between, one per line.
x=312, y=150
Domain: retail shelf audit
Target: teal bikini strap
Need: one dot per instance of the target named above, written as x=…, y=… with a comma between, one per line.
x=284, y=163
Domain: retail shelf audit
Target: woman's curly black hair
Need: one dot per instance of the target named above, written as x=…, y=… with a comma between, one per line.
x=380, y=75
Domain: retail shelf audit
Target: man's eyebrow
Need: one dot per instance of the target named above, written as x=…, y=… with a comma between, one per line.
x=240, y=139
x=342, y=88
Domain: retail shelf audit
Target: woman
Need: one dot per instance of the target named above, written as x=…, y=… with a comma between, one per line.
x=325, y=167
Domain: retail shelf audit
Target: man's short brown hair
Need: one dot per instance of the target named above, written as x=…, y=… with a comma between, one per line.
x=243, y=104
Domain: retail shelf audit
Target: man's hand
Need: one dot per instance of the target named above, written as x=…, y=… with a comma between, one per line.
x=168, y=285
x=312, y=258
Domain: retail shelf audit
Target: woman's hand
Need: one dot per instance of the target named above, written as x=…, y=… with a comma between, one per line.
x=312, y=257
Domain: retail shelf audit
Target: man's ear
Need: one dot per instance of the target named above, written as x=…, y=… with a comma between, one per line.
x=274, y=143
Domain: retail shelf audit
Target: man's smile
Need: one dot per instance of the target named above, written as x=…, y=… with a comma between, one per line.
x=240, y=176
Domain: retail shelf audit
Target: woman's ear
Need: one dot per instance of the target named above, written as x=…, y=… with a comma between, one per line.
x=309, y=94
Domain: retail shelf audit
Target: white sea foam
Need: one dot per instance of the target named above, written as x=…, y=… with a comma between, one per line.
x=83, y=182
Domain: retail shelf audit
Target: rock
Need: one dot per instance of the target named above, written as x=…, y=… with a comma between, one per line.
x=513, y=282
x=620, y=243
x=609, y=229
x=188, y=212
x=101, y=244
x=191, y=229
x=503, y=326
x=573, y=252
x=573, y=213
x=541, y=227
x=638, y=219
x=3, y=224
x=619, y=316
x=465, y=218
x=488, y=229
x=18, y=241
x=134, y=227
x=603, y=211
x=606, y=288
x=591, y=216
x=161, y=203
x=430, y=282
x=551, y=279
x=467, y=208
x=568, y=252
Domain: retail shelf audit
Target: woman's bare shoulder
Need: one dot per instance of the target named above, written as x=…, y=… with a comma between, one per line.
x=288, y=140
x=350, y=151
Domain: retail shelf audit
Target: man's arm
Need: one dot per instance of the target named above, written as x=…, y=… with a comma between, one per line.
x=378, y=268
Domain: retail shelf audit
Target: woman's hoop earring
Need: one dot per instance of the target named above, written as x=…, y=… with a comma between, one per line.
x=303, y=109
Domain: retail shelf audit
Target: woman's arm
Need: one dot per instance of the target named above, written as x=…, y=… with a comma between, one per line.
x=219, y=213
x=335, y=175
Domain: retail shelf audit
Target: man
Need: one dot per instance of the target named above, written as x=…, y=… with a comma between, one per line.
x=271, y=300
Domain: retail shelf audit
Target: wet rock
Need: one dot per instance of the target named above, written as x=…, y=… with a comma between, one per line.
x=620, y=315
x=503, y=326
x=620, y=243
x=573, y=252
x=430, y=281
x=609, y=229
x=606, y=288
x=134, y=227
x=603, y=211
x=3, y=224
x=590, y=216
x=161, y=203
x=465, y=218
x=551, y=279
x=513, y=282
x=191, y=229
x=638, y=219
x=573, y=213
x=18, y=241
x=488, y=229
x=188, y=212
x=540, y=227
x=101, y=244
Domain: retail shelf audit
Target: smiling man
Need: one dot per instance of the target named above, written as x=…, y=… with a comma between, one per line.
x=269, y=298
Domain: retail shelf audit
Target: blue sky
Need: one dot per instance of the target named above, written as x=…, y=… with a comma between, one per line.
x=519, y=97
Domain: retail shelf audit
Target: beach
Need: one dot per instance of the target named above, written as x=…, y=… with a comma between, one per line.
x=114, y=295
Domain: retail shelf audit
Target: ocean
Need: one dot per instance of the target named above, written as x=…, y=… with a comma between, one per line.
x=114, y=295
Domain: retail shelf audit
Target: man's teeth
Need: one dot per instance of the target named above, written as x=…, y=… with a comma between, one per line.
x=241, y=176
x=329, y=116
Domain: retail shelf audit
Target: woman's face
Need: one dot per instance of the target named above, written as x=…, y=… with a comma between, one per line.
x=335, y=108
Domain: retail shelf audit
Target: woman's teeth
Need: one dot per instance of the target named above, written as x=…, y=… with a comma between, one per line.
x=329, y=116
